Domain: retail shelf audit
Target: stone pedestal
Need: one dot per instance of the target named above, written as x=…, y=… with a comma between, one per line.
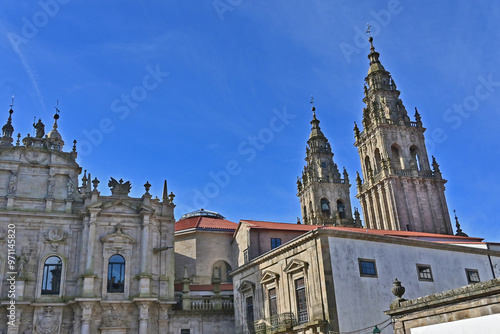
x=145, y=286
x=20, y=289
x=10, y=201
x=69, y=203
x=88, y=286
x=48, y=204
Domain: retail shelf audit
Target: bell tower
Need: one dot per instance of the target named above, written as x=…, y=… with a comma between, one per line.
x=322, y=190
x=399, y=190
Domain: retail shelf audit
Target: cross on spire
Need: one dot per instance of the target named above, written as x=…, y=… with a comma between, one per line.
x=57, y=107
x=12, y=104
x=368, y=31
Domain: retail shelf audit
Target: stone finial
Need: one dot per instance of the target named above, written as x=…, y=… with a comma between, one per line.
x=171, y=197
x=18, y=142
x=74, y=145
x=84, y=179
x=147, y=186
x=358, y=180
x=298, y=221
x=398, y=290
x=95, y=183
x=356, y=129
x=346, y=175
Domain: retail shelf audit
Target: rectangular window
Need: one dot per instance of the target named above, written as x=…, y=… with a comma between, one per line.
x=300, y=294
x=472, y=276
x=275, y=242
x=245, y=256
x=273, y=306
x=424, y=273
x=185, y=331
x=367, y=268
x=249, y=302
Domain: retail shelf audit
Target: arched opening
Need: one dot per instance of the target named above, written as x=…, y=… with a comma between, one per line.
x=325, y=207
x=305, y=214
x=368, y=167
x=414, y=152
x=51, y=280
x=341, y=209
x=311, y=212
x=116, y=274
x=396, y=157
x=378, y=161
x=221, y=270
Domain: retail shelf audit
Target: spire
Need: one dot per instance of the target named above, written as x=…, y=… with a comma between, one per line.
x=8, y=129
x=375, y=64
x=457, y=224
x=54, y=135
x=164, y=197
x=315, y=129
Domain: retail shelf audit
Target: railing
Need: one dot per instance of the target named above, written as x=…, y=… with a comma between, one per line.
x=276, y=324
x=214, y=303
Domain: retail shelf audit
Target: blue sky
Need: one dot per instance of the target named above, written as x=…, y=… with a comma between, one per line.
x=214, y=95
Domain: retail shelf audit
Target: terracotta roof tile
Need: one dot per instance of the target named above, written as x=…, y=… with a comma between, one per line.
x=205, y=223
x=403, y=234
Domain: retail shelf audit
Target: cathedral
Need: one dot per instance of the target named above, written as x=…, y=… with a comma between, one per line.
x=83, y=262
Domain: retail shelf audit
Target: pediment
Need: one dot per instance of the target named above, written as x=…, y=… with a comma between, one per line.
x=118, y=206
x=246, y=286
x=269, y=277
x=295, y=265
x=118, y=237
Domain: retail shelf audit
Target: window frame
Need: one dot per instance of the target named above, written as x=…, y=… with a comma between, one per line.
x=122, y=269
x=250, y=316
x=45, y=276
x=276, y=241
x=304, y=309
x=246, y=258
x=361, y=273
x=420, y=270
x=468, y=271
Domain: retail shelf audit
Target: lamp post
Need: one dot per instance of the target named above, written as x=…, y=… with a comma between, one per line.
x=376, y=330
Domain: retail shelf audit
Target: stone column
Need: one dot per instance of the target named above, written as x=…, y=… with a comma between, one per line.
x=86, y=317
x=143, y=317
x=88, y=280
x=145, y=276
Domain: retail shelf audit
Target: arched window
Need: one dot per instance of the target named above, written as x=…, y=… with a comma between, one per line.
x=305, y=214
x=51, y=280
x=116, y=274
x=341, y=209
x=325, y=207
x=221, y=270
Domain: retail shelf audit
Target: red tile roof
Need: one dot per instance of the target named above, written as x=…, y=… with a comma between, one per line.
x=402, y=234
x=205, y=223
x=279, y=226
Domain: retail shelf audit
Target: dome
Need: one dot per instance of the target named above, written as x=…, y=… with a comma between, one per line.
x=202, y=213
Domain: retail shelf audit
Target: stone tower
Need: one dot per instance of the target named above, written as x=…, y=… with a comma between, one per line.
x=400, y=191
x=322, y=190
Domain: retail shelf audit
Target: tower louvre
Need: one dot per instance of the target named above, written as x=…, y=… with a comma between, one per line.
x=400, y=191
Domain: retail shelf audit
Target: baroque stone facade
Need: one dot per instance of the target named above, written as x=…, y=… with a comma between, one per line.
x=86, y=263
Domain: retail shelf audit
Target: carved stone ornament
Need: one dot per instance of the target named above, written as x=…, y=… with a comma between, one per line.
x=35, y=156
x=56, y=234
x=47, y=322
x=119, y=187
x=112, y=319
